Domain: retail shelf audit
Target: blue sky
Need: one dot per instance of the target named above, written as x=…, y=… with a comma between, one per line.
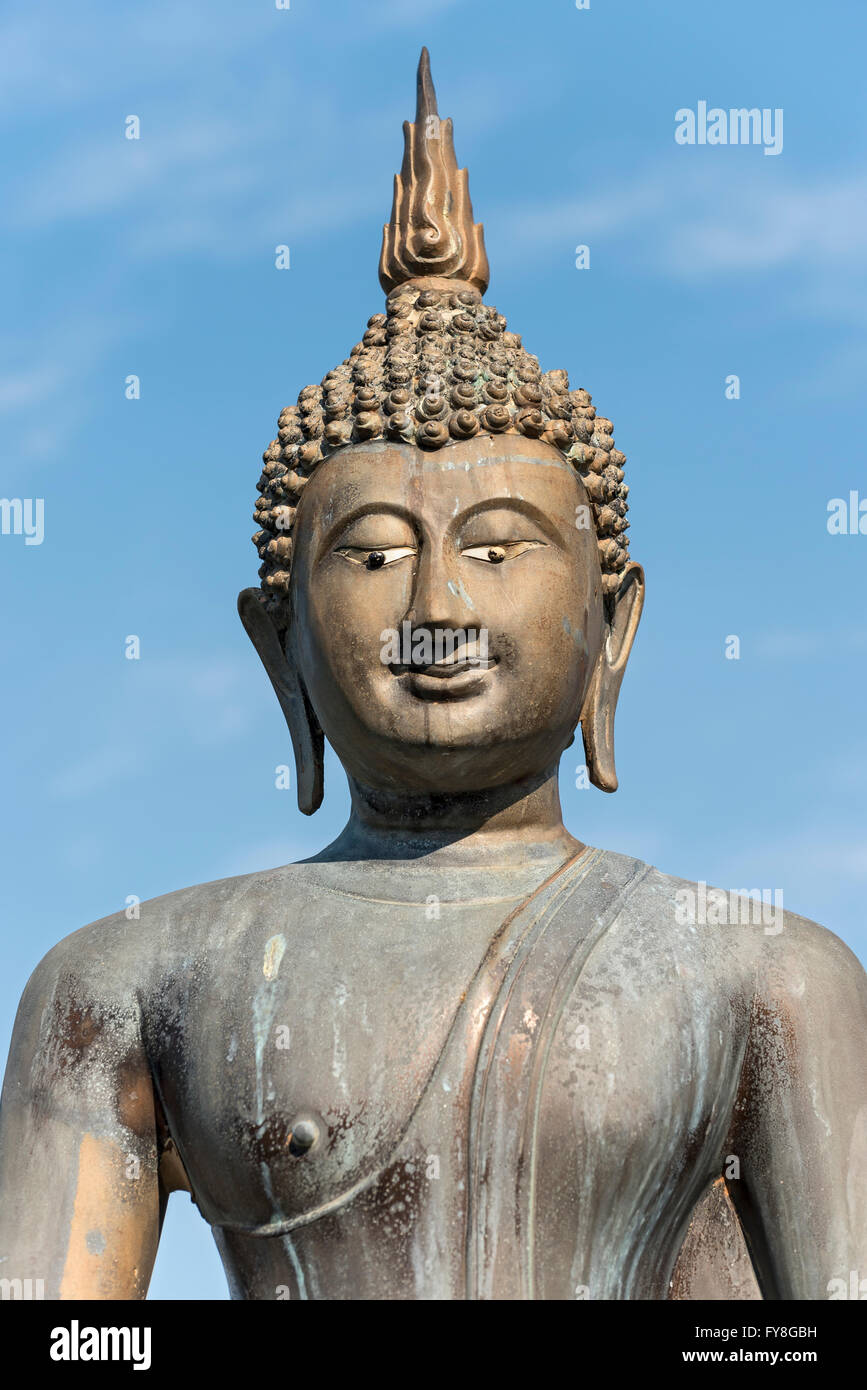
x=156, y=258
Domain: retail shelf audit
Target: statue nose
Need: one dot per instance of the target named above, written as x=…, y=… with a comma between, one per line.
x=439, y=598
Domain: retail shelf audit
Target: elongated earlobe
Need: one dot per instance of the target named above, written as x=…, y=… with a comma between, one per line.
x=308, y=742
x=597, y=717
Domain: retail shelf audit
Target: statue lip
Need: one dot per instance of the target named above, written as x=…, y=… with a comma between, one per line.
x=446, y=680
x=447, y=668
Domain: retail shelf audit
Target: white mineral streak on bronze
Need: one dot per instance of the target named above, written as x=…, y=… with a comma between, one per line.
x=274, y=949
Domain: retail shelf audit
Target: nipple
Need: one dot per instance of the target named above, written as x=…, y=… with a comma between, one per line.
x=302, y=1137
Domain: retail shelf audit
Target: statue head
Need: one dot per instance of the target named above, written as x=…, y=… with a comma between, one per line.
x=446, y=590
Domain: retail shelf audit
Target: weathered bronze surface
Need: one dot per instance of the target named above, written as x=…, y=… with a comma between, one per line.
x=457, y=1054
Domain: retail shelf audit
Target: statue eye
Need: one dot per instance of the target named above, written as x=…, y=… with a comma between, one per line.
x=377, y=558
x=504, y=550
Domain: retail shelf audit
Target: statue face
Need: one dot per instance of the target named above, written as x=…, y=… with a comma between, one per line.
x=483, y=539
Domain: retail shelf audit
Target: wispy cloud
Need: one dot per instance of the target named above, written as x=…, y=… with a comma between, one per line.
x=718, y=222
x=51, y=59
x=96, y=770
x=563, y=222
x=43, y=372
x=21, y=390
x=817, y=852
x=799, y=644
x=193, y=700
x=270, y=853
x=747, y=225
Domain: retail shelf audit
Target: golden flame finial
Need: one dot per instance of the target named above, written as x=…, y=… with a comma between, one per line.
x=431, y=232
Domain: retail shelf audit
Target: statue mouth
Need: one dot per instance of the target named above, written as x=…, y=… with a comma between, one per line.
x=450, y=679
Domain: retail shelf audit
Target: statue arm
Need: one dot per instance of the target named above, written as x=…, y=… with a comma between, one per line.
x=800, y=1129
x=80, y=1201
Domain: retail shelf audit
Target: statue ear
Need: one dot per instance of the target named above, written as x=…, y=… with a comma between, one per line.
x=597, y=717
x=308, y=742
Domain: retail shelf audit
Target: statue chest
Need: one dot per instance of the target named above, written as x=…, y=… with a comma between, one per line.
x=296, y=1077
x=357, y=1107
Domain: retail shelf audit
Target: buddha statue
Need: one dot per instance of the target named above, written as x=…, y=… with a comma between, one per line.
x=457, y=1054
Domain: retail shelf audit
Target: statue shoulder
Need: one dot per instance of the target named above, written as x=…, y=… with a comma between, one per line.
x=747, y=931
x=113, y=958
x=806, y=962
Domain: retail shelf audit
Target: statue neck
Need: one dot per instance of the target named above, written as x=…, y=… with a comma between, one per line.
x=494, y=826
